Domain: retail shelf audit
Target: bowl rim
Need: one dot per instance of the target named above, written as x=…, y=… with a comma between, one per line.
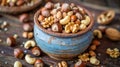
x=19, y=9
x=36, y=22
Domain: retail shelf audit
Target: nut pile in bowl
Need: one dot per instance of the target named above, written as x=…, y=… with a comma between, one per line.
x=12, y=3
x=63, y=18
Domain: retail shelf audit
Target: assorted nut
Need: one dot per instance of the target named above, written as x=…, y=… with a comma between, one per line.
x=84, y=57
x=63, y=17
x=38, y=63
x=113, y=34
x=27, y=27
x=36, y=51
x=62, y=64
x=18, y=53
x=28, y=35
x=11, y=41
x=13, y=3
x=29, y=59
x=17, y=64
x=29, y=43
x=97, y=33
x=114, y=53
x=106, y=17
x=94, y=61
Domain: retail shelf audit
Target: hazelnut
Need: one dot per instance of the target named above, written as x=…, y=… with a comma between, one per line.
x=24, y=17
x=38, y=63
x=92, y=53
x=18, y=53
x=54, y=11
x=36, y=51
x=73, y=18
x=96, y=42
x=78, y=21
x=93, y=47
x=65, y=7
x=40, y=18
x=79, y=64
x=56, y=27
x=45, y=13
x=49, y=5
x=27, y=27
x=25, y=34
x=20, y=2
x=11, y=41
x=30, y=35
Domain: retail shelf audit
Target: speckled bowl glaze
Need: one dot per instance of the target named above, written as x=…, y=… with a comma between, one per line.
x=62, y=46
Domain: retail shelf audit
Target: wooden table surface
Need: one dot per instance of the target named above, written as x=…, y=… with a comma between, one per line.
x=15, y=27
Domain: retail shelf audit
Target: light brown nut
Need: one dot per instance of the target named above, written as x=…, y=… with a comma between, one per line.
x=30, y=59
x=96, y=42
x=97, y=33
x=73, y=18
x=75, y=28
x=65, y=20
x=113, y=34
x=93, y=47
x=11, y=41
x=36, y=51
x=79, y=16
x=59, y=15
x=27, y=27
x=40, y=18
x=18, y=53
x=49, y=5
x=3, y=2
x=17, y=64
x=30, y=35
x=29, y=43
x=25, y=34
x=68, y=27
x=38, y=63
x=82, y=26
x=24, y=17
x=86, y=21
x=77, y=22
x=92, y=53
x=70, y=13
x=54, y=11
x=64, y=64
x=84, y=57
x=65, y=7
x=45, y=13
x=94, y=60
x=79, y=64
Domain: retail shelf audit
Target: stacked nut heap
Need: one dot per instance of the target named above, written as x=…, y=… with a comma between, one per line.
x=63, y=18
x=14, y=2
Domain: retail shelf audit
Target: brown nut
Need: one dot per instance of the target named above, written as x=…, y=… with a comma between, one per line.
x=79, y=64
x=96, y=42
x=49, y=5
x=65, y=7
x=36, y=51
x=73, y=18
x=30, y=35
x=113, y=34
x=25, y=34
x=3, y=2
x=78, y=21
x=18, y=53
x=59, y=15
x=27, y=27
x=56, y=27
x=38, y=63
x=79, y=16
x=40, y=18
x=20, y=2
x=11, y=41
x=93, y=47
x=45, y=13
x=92, y=53
x=24, y=17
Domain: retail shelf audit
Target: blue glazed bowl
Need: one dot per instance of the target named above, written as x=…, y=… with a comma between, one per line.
x=62, y=46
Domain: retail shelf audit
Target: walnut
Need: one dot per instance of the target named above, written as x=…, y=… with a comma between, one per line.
x=84, y=57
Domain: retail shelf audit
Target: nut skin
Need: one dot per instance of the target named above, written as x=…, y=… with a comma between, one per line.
x=79, y=64
x=27, y=27
x=56, y=27
x=36, y=51
x=38, y=63
x=24, y=17
x=18, y=53
x=73, y=18
x=11, y=41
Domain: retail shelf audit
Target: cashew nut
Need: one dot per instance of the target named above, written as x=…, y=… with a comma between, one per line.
x=29, y=59
x=82, y=26
x=75, y=28
x=94, y=60
x=97, y=33
x=65, y=20
x=86, y=21
x=29, y=43
x=17, y=64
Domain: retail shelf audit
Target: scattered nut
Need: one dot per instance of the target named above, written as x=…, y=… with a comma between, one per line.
x=97, y=33
x=106, y=17
x=84, y=57
x=92, y=53
x=62, y=64
x=73, y=18
x=93, y=47
x=25, y=34
x=49, y=5
x=24, y=17
x=11, y=41
x=29, y=43
x=36, y=51
x=30, y=59
x=17, y=64
x=15, y=36
x=96, y=42
x=38, y=63
x=27, y=27
x=79, y=64
x=18, y=53
x=113, y=34
x=94, y=60
x=30, y=35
